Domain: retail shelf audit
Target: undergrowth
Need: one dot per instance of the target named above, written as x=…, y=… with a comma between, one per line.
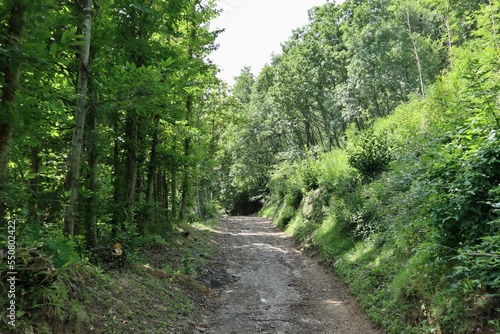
x=408, y=211
x=59, y=292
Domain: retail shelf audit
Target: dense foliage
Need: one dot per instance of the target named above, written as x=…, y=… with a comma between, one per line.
x=140, y=133
x=104, y=130
x=372, y=137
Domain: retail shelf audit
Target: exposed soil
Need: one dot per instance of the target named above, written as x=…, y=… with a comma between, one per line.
x=261, y=283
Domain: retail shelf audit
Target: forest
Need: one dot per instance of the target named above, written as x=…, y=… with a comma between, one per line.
x=371, y=138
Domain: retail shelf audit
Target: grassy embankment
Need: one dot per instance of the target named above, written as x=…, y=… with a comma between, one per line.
x=154, y=292
x=408, y=211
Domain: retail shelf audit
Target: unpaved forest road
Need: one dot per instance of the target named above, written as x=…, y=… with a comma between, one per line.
x=266, y=285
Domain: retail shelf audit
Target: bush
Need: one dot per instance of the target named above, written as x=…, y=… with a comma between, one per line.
x=462, y=192
x=61, y=251
x=336, y=175
x=292, y=180
x=371, y=155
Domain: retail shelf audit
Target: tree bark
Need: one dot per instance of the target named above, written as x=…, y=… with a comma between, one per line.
x=415, y=51
x=163, y=184
x=151, y=184
x=35, y=169
x=450, y=34
x=118, y=184
x=187, y=153
x=131, y=135
x=11, y=69
x=173, y=196
x=493, y=24
x=93, y=157
x=152, y=166
x=198, y=198
x=76, y=152
x=328, y=126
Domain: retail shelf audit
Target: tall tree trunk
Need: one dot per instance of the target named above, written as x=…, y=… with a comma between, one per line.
x=11, y=69
x=152, y=166
x=118, y=185
x=131, y=135
x=147, y=215
x=35, y=169
x=493, y=24
x=163, y=184
x=415, y=50
x=198, y=198
x=187, y=153
x=449, y=33
x=91, y=212
x=328, y=126
x=76, y=152
x=187, y=139
x=336, y=137
x=173, y=196
x=378, y=109
x=309, y=136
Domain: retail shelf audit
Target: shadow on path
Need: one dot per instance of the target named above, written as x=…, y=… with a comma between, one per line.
x=271, y=287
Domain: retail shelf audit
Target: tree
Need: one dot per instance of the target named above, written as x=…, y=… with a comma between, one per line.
x=76, y=151
x=243, y=85
x=415, y=50
x=10, y=67
x=133, y=83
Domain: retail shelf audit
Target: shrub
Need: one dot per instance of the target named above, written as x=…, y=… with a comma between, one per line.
x=371, y=155
x=462, y=188
x=336, y=175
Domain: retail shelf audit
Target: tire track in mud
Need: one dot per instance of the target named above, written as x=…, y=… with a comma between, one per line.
x=271, y=287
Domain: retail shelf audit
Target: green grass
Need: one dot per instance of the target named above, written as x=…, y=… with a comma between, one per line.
x=381, y=237
x=143, y=297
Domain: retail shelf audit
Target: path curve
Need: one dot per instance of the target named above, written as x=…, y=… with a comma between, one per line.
x=266, y=285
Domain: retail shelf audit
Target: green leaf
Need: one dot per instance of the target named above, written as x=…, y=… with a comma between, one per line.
x=54, y=48
x=66, y=37
x=31, y=176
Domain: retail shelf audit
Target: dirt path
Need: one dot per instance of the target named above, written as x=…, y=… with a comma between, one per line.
x=263, y=284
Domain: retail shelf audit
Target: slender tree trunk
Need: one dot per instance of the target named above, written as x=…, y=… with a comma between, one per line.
x=133, y=180
x=359, y=123
x=35, y=169
x=415, y=51
x=151, y=188
x=298, y=137
x=173, y=196
x=132, y=163
x=329, y=128
x=449, y=33
x=493, y=24
x=76, y=152
x=157, y=190
x=92, y=176
x=198, y=198
x=187, y=153
x=11, y=69
x=163, y=183
x=187, y=139
x=119, y=185
x=336, y=137
x=309, y=135
x=152, y=175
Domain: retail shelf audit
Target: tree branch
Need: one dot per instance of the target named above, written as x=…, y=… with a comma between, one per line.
x=481, y=254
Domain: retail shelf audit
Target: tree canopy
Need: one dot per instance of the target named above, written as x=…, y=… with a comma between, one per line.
x=372, y=136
